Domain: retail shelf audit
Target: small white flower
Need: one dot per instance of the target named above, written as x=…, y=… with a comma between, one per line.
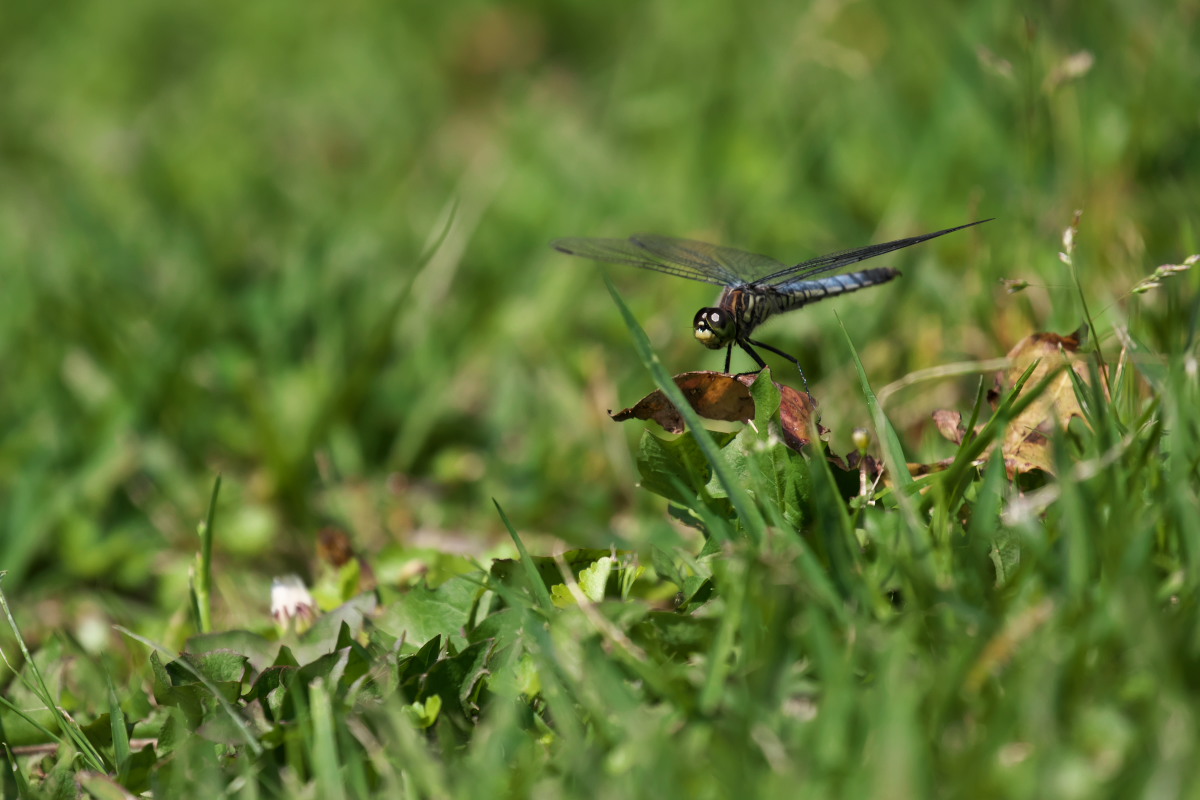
x=291, y=603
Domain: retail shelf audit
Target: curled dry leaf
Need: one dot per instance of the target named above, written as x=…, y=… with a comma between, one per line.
x=949, y=424
x=798, y=417
x=717, y=396
x=1026, y=445
x=713, y=395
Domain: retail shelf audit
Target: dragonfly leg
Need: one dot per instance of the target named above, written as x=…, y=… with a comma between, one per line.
x=728, y=355
x=745, y=345
x=778, y=353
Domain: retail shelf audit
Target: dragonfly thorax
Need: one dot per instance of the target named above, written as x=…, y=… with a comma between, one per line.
x=714, y=327
x=737, y=313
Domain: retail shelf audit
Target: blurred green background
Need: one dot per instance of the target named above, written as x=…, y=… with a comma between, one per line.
x=305, y=246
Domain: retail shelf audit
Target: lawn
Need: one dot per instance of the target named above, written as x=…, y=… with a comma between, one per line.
x=279, y=299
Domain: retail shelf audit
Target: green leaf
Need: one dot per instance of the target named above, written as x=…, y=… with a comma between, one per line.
x=766, y=398
x=219, y=666
x=259, y=650
x=456, y=678
x=161, y=678
x=502, y=626
x=506, y=570
x=594, y=580
x=424, y=714
x=1005, y=555
x=529, y=682
x=674, y=636
x=561, y=596
x=673, y=468
x=267, y=689
x=696, y=590
x=412, y=669
x=678, y=470
x=102, y=787
x=118, y=730
x=664, y=564
x=322, y=637
x=424, y=613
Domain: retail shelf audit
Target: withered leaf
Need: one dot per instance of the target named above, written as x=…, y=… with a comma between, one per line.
x=797, y=416
x=717, y=396
x=1025, y=453
x=949, y=424
x=918, y=470
x=713, y=395
x=1026, y=446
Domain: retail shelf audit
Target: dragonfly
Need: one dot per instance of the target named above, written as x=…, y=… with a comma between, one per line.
x=754, y=287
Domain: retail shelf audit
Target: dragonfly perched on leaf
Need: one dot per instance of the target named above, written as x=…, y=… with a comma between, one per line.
x=754, y=287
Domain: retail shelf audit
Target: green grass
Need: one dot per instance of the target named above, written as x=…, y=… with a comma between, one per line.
x=305, y=249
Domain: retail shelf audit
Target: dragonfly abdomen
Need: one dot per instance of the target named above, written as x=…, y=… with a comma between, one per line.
x=801, y=293
x=752, y=305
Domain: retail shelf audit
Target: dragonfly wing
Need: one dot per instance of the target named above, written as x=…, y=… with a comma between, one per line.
x=629, y=251
x=732, y=266
x=832, y=261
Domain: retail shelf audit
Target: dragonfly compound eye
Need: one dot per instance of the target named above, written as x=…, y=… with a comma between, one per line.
x=713, y=327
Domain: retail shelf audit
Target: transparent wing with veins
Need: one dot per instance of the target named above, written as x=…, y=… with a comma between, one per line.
x=827, y=263
x=698, y=261
x=725, y=266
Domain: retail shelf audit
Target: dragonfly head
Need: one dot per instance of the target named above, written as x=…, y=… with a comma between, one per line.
x=714, y=327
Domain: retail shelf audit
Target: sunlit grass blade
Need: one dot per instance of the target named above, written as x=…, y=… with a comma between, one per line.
x=537, y=587
x=13, y=782
x=720, y=659
x=893, y=451
x=202, y=574
x=37, y=685
x=120, y=736
x=917, y=558
x=326, y=761
x=835, y=532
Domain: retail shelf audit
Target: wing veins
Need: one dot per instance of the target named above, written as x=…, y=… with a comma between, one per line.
x=634, y=253
x=832, y=261
x=735, y=267
x=724, y=266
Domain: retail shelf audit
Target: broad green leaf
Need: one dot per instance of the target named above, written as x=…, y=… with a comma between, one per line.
x=594, y=580
x=675, y=636
x=259, y=650
x=424, y=714
x=561, y=596
x=423, y=613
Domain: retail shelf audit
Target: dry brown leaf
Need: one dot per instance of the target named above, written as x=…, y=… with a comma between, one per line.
x=798, y=417
x=1026, y=444
x=717, y=396
x=714, y=395
x=949, y=424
